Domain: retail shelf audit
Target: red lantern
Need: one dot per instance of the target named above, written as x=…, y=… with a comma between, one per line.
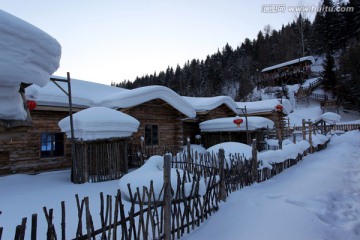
x=238, y=121
x=31, y=105
x=279, y=108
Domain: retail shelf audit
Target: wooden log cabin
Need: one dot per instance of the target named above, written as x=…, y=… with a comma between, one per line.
x=44, y=147
x=291, y=72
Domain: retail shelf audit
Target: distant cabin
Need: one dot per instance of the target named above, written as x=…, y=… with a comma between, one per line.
x=291, y=72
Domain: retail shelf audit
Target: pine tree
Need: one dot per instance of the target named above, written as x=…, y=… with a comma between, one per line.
x=329, y=74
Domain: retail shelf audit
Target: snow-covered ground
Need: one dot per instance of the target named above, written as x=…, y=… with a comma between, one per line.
x=317, y=199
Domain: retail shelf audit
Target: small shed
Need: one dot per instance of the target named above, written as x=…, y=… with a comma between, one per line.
x=225, y=130
x=101, y=137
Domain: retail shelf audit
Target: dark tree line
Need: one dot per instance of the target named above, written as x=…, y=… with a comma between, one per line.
x=234, y=72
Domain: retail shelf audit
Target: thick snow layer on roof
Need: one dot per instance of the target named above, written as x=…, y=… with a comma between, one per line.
x=330, y=117
x=100, y=123
x=141, y=95
x=202, y=104
x=84, y=93
x=227, y=124
x=265, y=106
x=27, y=54
x=309, y=58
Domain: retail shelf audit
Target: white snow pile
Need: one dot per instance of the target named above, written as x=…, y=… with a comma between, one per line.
x=266, y=106
x=202, y=104
x=288, y=151
x=227, y=124
x=231, y=149
x=153, y=170
x=100, y=123
x=28, y=55
x=330, y=117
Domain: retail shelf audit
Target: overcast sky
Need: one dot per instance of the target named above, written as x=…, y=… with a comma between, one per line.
x=111, y=40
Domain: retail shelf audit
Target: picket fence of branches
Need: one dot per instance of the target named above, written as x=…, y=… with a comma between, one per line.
x=202, y=182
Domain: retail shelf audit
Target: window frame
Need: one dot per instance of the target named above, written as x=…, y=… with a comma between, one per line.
x=153, y=139
x=52, y=144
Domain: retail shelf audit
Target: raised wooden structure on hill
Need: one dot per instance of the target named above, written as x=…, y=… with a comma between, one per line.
x=291, y=72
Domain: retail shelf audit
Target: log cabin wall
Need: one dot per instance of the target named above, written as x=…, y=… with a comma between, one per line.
x=22, y=154
x=160, y=113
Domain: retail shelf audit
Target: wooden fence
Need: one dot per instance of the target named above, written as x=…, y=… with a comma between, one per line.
x=337, y=127
x=147, y=216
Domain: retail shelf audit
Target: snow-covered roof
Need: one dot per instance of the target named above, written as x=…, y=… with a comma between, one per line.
x=89, y=94
x=202, y=104
x=130, y=98
x=227, y=124
x=84, y=93
x=100, y=123
x=330, y=117
x=265, y=106
x=308, y=58
x=28, y=55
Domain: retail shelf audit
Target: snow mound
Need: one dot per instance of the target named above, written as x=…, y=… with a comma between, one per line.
x=231, y=149
x=227, y=124
x=100, y=123
x=152, y=170
x=28, y=55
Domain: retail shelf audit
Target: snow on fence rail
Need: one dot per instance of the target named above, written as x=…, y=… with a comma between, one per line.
x=190, y=203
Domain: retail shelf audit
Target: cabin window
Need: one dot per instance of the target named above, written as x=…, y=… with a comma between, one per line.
x=52, y=144
x=151, y=134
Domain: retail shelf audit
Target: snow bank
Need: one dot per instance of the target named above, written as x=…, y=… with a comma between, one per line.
x=318, y=139
x=28, y=55
x=227, y=124
x=202, y=104
x=265, y=106
x=100, y=123
x=152, y=170
x=288, y=151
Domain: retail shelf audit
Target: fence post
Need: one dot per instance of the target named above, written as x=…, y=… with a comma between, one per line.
x=222, y=192
x=254, y=161
x=167, y=196
x=188, y=152
x=303, y=129
x=310, y=136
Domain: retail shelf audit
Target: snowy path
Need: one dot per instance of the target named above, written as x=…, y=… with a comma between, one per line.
x=316, y=199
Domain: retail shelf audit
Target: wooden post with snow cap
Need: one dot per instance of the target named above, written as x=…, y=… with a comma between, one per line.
x=254, y=161
x=303, y=129
x=167, y=196
x=222, y=191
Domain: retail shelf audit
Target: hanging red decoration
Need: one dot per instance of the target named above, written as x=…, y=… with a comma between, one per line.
x=238, y=121
x=31, y=105
x=279, y=108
